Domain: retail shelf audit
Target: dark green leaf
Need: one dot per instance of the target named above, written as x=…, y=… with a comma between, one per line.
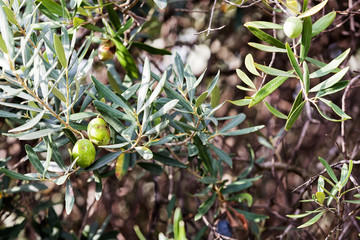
x=205, y=206
x=305, y=38
x=323, y=23
x=274, y=111
x=222, y=155
x=328, y=169
x=92, y=27
x=266, y=37
x=103, y=161
x=111, y=96
x=114, y=18
x=150, y=49
x=31, y=187
x=267, y=89
x=204, y=154
x=293, y=61
x=313, y=220
x=151, y=167
x=168, y=161
x=16, y=175
x=125, y=58
x=35, y=161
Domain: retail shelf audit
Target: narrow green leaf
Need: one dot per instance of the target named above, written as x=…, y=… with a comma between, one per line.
x=155, y=93
x=92, y=27
x=241, y=102
x=30, y=124
x=333, y=89
x=300, y=215
x=103, y=161
x=57, y=93
x=345, y=173
x=243, y=131
x=165, y=109
x=35, y=161
x=114, y=18
x=10, y=15
x=263, y=25
x=313, y=10
x=336, y=109
x=245, y=79
x=168, y=161
x=306, y=77
x=16, y=175
x=313, y=220
x=275, y=112
x=294, y=116
x=233, y=123
x=222, y=155
x=124, y=27
x=330, y=67
x=54, y=7
x=39, y=134
x=77, y=21
x=293, y=61
x=324, y=22
x=6, y=32
x=328, y=169
x=266, y=37
x=60, y=51
x=201, y=99
x=69, y=197
x=204, y=154
x=352, y=201
x=113, y=97
x=273, y=71
x=330, y=81
x=144, y=152
x=205, y=206
x=98, y=185
x=150, y=49
x=138, y=233
x=267, y=89
x=31, y=187
x=250, y=65
x=215, y=97
x=3, y=45
x=321, y=183
x=305, y=38
x=151, y=167
x=177, y=219
x=144, y=87
x=125, y=58
x=266, y=48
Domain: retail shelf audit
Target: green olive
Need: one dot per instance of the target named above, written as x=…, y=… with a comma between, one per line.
x=98, y=131
x=293, y=27
x=106, y=50
x=84, y=150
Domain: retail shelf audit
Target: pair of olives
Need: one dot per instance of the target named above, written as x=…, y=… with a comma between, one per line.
x=99, y=134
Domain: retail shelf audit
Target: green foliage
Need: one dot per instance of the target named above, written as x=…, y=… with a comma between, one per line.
x=299, y=65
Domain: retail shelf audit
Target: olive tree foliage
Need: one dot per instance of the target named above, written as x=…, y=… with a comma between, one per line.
x=156, y=122
x=152, y=118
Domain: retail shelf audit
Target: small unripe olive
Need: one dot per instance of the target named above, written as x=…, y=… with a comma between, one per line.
x=98, y=131
x=293, y=27
x=106, y=50
x=85, y=150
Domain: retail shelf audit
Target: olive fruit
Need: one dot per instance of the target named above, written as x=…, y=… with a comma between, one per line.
x=85, y=150
x=98, y=131
x=293, y=27
x=106, y=50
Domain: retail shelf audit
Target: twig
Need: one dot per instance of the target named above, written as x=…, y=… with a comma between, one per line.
x=312, y=179
x=209, y=29
x=342, y=222
x=343, y=107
